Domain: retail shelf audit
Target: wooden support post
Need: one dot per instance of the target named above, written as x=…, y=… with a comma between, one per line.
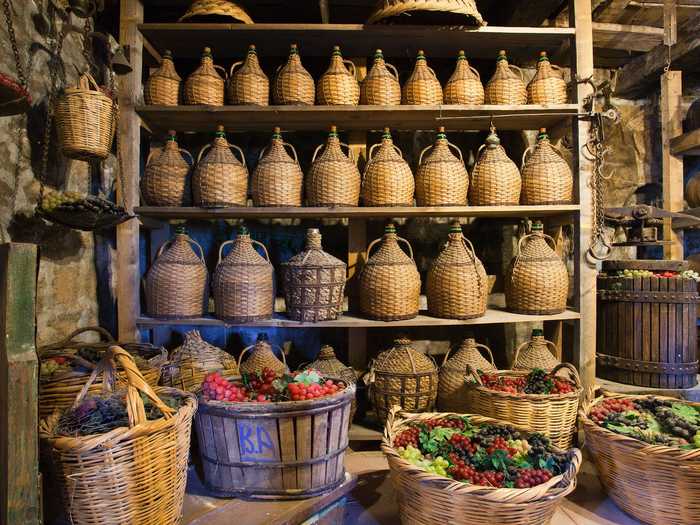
x=670, y=22
x=19, y=417
x=671, y=166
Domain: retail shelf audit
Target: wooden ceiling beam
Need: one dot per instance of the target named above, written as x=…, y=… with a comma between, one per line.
x=626, y=37
x=530, y=14
x=610, y=10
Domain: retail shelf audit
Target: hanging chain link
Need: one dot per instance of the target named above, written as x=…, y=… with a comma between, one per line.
x=13, y=42
x=596, y=151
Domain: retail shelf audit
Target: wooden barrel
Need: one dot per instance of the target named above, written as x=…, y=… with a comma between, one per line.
x=284, y=450
x=646, y=334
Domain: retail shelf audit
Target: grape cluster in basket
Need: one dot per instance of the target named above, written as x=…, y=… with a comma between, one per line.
x=536, y=382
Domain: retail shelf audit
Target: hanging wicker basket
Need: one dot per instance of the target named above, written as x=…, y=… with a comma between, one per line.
x=453, y=394
x=439, y=12
x=464, y=86
x=87, y=213
x=441, y=178
x=163, y=85
x=338, y=86
x=548, y=85
x=208, y=8
x=277, y=179
x=205, y=85
x=535, y=353
x=260, y=357
x=423, y=86
x=166, y=179
x=387, y=180
x=249, y=85
x=507, y=85
x=547, y=177
x=14, y=99
x=333, y=178
x=220, y=179
x=495, y=178
x=381, y=85
x=293, y=85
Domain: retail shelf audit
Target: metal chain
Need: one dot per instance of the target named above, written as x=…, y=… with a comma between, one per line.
x=13, y=41
x=596, y=151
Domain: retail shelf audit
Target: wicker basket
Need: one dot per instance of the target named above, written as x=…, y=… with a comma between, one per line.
x=656, y=484
x=495, y=178
x=260, y=357
x=507, y=85
x=249, y=85
x=208, y=8
x=548, y=85
x=333, y=178
x=243, y=283
x=450, y=12
x=547, y=177
x=441, y=178
x=422, y=87
x=177, y=283
x=193, y=360
x=457, y=285
x=163, y=85
x=206, y=85
x=464, y=86
x=553, y=415
x=277, y=179
x=134, y=474
x=427, y=498
x=535, y=353
x=537, y=282
x=220, y=179
x=166, y=179
x=381, y=85
x=338, y=86
x=453, y=394
x=402, y=376
x=86, y=119
x=387, y=180
x=314, y=282
x=293, y=85
x=389, y=282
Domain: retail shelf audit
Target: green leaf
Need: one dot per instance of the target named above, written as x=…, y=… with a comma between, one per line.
x=499, y=460
x=509, y=484
x=548, y=463
x=308, y=377
x=523, y=463
x=686, y=412
x=623, y=429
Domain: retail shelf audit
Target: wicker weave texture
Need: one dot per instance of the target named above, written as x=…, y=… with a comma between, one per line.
x=166, y=179
x=329, y=365
x=495, y=178
x=163, y=86
x=260, y=357
x=423, y=86
x=391, y=9
x=387, y=180
x=338, y=86
x=535, y=353
x=506, y=86
x=249, y=84
x=453, y=393
x=441, y=178
x=548, y=85
x=293, y=85
x=333, y=178
x=205, y=85
x=464, y=86
x=220, y=179
x=381, y=85
x=217, y=7
x=547, y=177
x=277, y=179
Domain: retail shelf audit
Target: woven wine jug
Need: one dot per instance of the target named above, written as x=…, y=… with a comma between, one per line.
x=422, y=87
x=457, y=284
x=249, y=85
x=163, y=85
x=495, y=178
x=205, y=85
x=293, y=85
x=506, y=85
x=177, y=284
x=261, y=356
x=333, y=178
x=535, y=353
x=338, y=86
x=402, y=376
x=453, y=394
x=243, y=282
x=441, y=178
x=166, y=179
x=389, y=282
x=329, y=365
x=546, y=176
x=220, y=179
x=537, y=281
x=314, y=282
x=387, y=180
x=277, y=179
x=548, y=85
x=381, y=85
x=464, y=86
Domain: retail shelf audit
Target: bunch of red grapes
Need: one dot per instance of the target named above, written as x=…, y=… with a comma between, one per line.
x=530, y=477
x=300, y=391
x=449, y=422
x=461, y=470
x=512, y=385
x=218, y=388
x=532, y=383
x=462, y=442
x=407, y=437
x=601, y=411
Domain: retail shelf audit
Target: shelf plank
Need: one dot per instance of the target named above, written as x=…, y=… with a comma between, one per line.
x=686, y=144
x=452, y=117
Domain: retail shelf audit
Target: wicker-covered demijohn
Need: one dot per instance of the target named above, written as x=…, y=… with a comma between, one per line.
x=441, y=177
x=220, y=179
x=249, y=84
x=506, y=86
x=535, y=353
x=206, y=85
x=495, y=178
x=277, y=179
x=389, y=281
x=163, y=85
x=453, y=394
x=293, y=85
x=387, y=180
x=381, y=85
x=338, y=86
x=333, y=178
x=216, y=8
x=548, y=85
x=464, y=86
x=438, y=12
x=329, y=365
x=546, y=175
x=166, y=179
x=537, y=282
x=261, y=356
x=243, y=282
x=423, y=86
x=314, y=282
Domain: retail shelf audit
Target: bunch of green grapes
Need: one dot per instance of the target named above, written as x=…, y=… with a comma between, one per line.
x=436, y=465
x=520, y=447
x=634, y=273
x=696, y=439
x=54, y=199
x=691, y=274
x=48, y=367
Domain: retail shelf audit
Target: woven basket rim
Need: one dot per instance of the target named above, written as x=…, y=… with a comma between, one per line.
x=386, y=9
x=516, y=397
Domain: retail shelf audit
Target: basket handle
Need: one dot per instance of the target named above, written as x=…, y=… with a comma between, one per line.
x=459, y=151
x=477, y=345
x=318, y=148
x=240, y=152
x=475, y=71
x=240, y=357
x=370, y=155
x=217, y=68
x=410, y=250
x=103, y=333
x=527, y=151
x=517, y=70
x=86, y=81
x=478, y=152
x=552, y=242
x=573, y=373
x=352, y=68
x=201, y=152
x=190, y=240
x=154, y=150
x=233, y=66
x=351, y=155
x=267, y=255
x=221, y=249
x=183, y=150
x=420, y=157
x=392, y=70
x=296, y=159
x=432, y=72
x=471, y=371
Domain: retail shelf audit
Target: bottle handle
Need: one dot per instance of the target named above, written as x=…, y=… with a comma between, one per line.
x=267, y=255
x=476, y=72
x=353, y=70
x=296, y=159
x=410, y=250
x=396, y=148
x=219, y=68
x=183, y=150
x=519, y=71
x=240, y=152
x=478, y=152
x=459, y=152
x=154, y=150
x=370, y=155
x=490, y=354
x=233, y=66
x=190, y=240
x=221, y=250
x=351, y=155
x=201, y=152
x=420, y=157
x=318, y=148
x=528, y=150
x=516, y=354
x=432, y=72
x=392, y=70
x=240, y=357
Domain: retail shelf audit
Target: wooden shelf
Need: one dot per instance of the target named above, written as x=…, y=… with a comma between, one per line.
x=686, y=144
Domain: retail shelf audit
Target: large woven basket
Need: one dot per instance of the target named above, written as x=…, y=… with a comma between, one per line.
x=536, y=281
x=314, y=282
x=656, y=484
x=441, y=178
x=134, y=474
x=166, y=179
x=220, y=179
x=86, y=120
x=208, y=8
x=177, y=284
x=402, y=376
x=333, y=178
x=553, y=415
x=243, y=282
x=495, y=178
x=547, y=177
x=293, y=85
x=548, y=85
x=163, y=85
x=452, y=12
x=249, y=84
x=457, y=285
x=453, y=393
x=426, y=498
x=423, y=86
x=507, y=85
x=387, y=180
x=381, y=85
x=206, y=85
x=277, y=179
x=338, y=86
x=390, y=282
x=464, y=86
x=535, y=353
x=193, y=360
x=260, y=357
